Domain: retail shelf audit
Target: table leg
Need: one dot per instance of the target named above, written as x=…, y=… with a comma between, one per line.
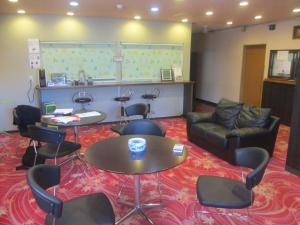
x=138, y=207
x=76, y=133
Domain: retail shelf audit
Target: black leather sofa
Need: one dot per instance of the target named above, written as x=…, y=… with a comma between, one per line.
x=232, y=125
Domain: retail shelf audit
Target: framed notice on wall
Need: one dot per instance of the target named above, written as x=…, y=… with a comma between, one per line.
x=296, y=32
x=284, y=64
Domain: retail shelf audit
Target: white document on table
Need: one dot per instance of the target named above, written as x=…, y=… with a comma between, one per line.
x=65, y=119
x=63, y=111
x=88, y=114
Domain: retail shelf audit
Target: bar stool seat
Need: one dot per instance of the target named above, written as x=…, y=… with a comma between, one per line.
x=149, y=96
x=83, y=100
x=122, y=99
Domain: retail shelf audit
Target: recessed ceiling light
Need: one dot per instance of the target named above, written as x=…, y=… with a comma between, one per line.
x=184, y=20
x=229, y=23
x=14, y=1
x=296, y=10
x=137, y=17
x=209, y=13
x=70, y=13
x=154, y=9
x=119, y=6
x=21, y=11
x=258, y=17
x=244, y=3
x=74, y=4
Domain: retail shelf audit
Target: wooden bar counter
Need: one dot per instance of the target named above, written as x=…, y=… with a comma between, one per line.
x=175, y=98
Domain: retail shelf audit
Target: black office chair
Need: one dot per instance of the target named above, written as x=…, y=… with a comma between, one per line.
x=143, y=127
x=56, y=145
x=25, y=115
x=139, y=109
x=94, y=209
x=221, y=192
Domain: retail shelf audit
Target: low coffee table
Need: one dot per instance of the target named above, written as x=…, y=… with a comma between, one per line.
x=114, y=156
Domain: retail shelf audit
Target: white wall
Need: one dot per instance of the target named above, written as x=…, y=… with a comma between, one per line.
x=16, y=29
x=222, y=54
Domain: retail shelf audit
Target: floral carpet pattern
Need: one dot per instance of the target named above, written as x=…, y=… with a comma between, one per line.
x=277, y=197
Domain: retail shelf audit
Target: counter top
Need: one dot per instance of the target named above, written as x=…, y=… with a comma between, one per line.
x=116, y=83
x=280, y=81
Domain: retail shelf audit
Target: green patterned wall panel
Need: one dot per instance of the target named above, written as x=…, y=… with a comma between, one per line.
x=95, y=59
x=142, y=61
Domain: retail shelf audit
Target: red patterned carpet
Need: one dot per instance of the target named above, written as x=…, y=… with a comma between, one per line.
x=277, y=197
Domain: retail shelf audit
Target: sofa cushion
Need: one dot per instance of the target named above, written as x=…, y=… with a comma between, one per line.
x=212, y=133
x=227, y=113
x=252, y=116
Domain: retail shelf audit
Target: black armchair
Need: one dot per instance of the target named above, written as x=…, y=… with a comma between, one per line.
x=221, y=192
x=94, y=209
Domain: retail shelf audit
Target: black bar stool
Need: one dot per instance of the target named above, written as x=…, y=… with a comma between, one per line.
x=153, y=95
x=125, y=97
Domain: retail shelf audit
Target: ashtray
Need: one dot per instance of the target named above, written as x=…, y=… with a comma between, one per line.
x=137, y=144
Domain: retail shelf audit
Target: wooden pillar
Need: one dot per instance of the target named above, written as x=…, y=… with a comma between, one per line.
x=293, y=155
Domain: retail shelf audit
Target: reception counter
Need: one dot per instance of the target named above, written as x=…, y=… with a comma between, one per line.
x=175, y=98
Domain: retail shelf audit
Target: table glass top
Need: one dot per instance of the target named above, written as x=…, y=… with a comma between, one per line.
x=113, y=155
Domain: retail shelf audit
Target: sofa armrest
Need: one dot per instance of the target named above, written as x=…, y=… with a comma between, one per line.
x=274, y=123
x=196, y=117
x=248, y=132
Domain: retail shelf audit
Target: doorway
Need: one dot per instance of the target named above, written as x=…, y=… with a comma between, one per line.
x=253, y=74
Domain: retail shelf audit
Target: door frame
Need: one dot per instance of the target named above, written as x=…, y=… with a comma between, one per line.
x=242, y=84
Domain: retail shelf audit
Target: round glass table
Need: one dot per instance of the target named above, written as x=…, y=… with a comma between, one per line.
x=114, y=156
x=94, y=118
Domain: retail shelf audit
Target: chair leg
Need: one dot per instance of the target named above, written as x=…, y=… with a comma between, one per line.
x=35, y=151
x=241, y=216
x=159, y=186
x=121, y=189
x=78, y=156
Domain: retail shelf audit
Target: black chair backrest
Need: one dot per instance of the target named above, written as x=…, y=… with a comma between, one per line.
x=146, y=127
x=139, y=109
x=40, y=178
x=24, y=115
x=43, y=134
x=254, y=158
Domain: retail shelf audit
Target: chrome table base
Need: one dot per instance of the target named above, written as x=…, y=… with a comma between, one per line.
x=138, y=206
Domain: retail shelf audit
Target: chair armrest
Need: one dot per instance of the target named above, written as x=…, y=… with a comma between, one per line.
x=196, y=117
x=248, y=132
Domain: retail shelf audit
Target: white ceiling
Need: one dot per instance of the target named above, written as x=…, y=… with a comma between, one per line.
x=170, y=10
